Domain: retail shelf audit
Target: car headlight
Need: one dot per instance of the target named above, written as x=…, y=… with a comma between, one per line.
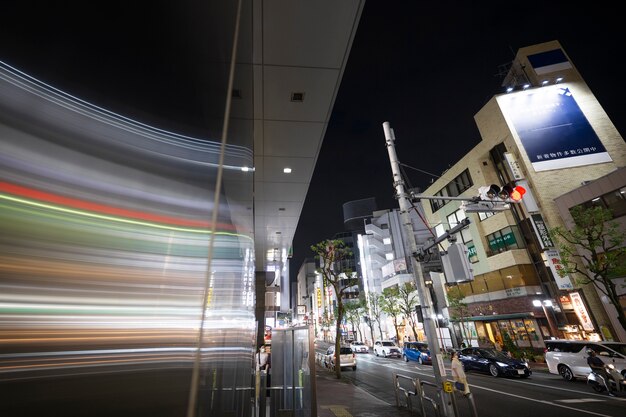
x=502, y=364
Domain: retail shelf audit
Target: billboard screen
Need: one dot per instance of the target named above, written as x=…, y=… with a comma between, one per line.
x=553, y=129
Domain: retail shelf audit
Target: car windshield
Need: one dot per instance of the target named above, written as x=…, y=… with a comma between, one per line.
x=618, y=347
x=345, y=351
x=357, y=343
x=494, y=354
x=388, y=344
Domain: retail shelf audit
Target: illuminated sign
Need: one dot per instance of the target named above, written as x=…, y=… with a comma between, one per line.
x=581, y=311
x=319, y=297
x=554, y=262
x=552, y=128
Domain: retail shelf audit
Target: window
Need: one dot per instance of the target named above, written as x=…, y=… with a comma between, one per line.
x=486, y=215
x=454, y=188
x=614, y=201
x=504, y=240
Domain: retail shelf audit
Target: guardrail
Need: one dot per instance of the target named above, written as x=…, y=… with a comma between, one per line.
x=415, y=393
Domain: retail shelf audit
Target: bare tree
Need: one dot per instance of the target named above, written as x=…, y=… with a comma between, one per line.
x=333, y=256
x=594, y=249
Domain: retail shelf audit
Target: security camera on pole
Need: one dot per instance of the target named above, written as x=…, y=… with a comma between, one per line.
x=425, y=299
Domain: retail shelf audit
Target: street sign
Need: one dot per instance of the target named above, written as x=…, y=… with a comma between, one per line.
x=484, y=206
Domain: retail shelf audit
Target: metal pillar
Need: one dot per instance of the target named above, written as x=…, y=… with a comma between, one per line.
x=424, y=295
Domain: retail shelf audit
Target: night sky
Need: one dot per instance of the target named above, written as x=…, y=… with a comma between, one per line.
x=425, y=67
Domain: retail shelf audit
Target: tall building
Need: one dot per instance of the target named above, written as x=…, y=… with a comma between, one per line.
x=549, y=134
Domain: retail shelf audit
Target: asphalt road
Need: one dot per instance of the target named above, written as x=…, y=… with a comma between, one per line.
x=542, y=394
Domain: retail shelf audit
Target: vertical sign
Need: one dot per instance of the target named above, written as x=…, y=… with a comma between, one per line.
x=554, y=261
x=319, y=297
x=542, y=231
x=516, y=171
x=581, y=311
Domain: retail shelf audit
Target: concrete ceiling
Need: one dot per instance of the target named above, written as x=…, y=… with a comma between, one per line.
x=298, y=47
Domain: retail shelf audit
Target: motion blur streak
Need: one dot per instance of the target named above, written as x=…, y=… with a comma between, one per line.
x=105, y=224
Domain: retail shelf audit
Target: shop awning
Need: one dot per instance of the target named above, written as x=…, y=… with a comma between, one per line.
x=494, y=317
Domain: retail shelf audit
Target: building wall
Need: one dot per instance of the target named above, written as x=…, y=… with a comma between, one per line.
x=495, y=126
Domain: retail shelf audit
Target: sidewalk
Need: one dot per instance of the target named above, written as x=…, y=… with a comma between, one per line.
x=340, y=398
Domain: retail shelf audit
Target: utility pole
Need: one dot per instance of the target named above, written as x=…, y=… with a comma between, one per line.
x=424, y=295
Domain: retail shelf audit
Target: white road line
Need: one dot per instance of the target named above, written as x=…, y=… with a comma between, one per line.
x=579, y=400
x=542, y=401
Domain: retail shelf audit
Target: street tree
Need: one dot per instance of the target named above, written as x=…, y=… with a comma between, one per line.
x=333, y=256
x=376, y=312
x=593, y=251
x=408, y=300
x=366, y=314
x=459, y=311
x=354, y=312
x=389, y=303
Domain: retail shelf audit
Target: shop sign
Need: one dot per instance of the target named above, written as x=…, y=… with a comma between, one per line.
x=565, y=302
x=501, y=241
x=554, y=261
x=581, y=311
x=514, y=292
x=301, y=310
x=542, y=231
x=319, y=297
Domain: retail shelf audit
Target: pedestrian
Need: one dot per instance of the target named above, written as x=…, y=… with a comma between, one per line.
x=458, y=374
x=262, y=359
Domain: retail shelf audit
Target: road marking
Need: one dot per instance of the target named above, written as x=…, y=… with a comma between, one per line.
x=579, y=400
x=541, y=401
x=337, y=410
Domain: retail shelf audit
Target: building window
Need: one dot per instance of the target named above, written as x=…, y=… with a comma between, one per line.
x=454, y=188
x=504, y=240
x=614, y=201
x=471, y=252
x=485, y=215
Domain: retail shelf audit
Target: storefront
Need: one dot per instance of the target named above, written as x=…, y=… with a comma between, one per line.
x=522, y=329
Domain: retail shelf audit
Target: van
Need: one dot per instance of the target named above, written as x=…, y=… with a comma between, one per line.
x=568, y=358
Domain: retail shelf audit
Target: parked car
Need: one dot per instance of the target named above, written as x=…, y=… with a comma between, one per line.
x=568, y=358
x=493, y=362
x=359, y=347
x=387, y=348
x=416, y=351
x=347, y=358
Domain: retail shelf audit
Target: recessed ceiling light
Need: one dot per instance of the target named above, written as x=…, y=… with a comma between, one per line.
x=278, y=233
x=287, y=170
x=281, y=209
x=299, y=97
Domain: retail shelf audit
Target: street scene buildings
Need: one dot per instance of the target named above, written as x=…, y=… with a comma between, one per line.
x=549, y=134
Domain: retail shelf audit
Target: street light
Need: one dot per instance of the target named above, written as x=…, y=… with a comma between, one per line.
x=551, y=318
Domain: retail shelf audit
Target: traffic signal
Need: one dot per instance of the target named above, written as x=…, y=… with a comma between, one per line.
x=512, y=193
x=506, y=194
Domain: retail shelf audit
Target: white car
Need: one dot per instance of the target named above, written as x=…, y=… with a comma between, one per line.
x=568, y=358
x=359, y=347
x=347, y=358
x=387, y=348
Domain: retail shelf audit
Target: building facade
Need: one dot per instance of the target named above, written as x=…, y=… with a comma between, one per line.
x=549, y=134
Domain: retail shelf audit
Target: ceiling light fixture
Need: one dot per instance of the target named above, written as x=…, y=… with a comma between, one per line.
x=287, y=170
